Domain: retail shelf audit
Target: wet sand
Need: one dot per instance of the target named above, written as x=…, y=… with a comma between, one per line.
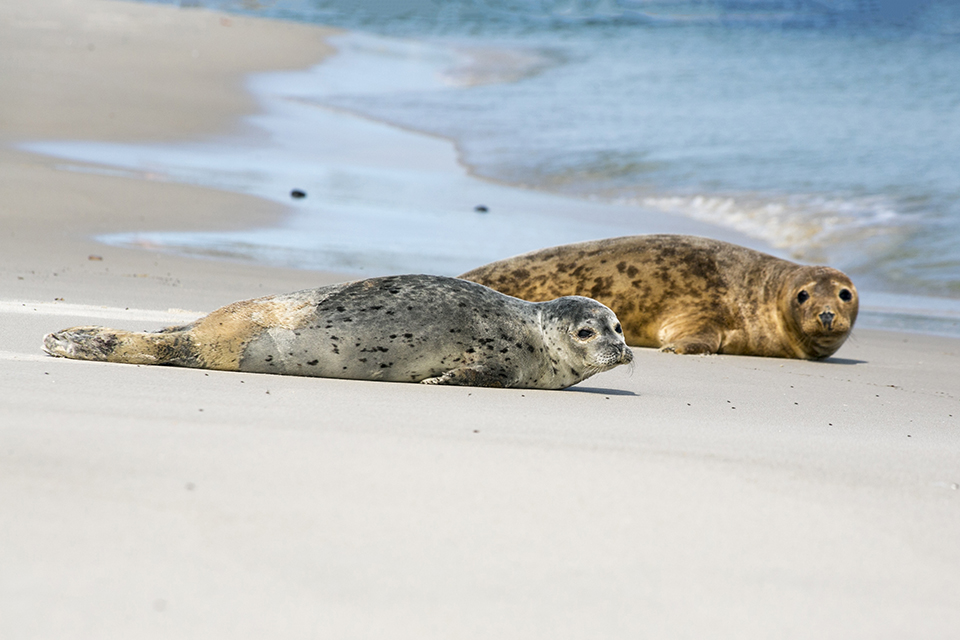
x=683, y=497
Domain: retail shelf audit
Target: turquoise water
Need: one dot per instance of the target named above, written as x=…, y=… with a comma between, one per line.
x=830, y=130
x=825, y=131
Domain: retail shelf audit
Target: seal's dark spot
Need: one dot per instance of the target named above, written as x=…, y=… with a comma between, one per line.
x=601, y=287
x=520, y=274
x=313, y=363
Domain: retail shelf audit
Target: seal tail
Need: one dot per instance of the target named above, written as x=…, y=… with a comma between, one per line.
x=168, y=346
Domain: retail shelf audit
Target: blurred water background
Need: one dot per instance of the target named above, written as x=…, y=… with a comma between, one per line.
x=827, y=131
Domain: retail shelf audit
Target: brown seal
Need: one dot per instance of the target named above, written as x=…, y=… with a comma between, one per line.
x=692, y=295
x=412, y=328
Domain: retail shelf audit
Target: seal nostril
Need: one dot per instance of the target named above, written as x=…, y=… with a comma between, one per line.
x=827, y=318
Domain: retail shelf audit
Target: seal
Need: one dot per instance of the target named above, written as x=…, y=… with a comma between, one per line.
x=410, y=328
x=692, y=295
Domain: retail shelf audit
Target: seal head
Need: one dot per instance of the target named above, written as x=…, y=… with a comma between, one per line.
x=582, y=337
x=819, y=305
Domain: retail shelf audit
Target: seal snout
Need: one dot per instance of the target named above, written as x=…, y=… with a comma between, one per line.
x=617, y=355
x=827, y=319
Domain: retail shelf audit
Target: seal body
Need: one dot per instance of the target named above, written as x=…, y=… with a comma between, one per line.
x=413, y=328
x=687, y=294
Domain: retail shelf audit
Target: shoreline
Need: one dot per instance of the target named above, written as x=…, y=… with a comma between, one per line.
x=88, y=48
x=387, y=199
x=721, y=496
x=405, y=193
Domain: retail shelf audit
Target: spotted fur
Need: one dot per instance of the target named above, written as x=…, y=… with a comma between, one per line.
x=692, y=295
x=413, y=328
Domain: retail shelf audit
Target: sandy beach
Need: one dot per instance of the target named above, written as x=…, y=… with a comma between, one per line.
x=682, y=497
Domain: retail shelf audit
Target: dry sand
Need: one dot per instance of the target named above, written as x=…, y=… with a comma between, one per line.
x=687, y=497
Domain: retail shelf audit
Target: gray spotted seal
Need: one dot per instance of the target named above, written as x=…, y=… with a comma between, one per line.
x=412, y=328
x=692, y=295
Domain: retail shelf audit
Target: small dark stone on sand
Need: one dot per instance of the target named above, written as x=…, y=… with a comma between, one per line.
x=297, y=193
x=481, y=208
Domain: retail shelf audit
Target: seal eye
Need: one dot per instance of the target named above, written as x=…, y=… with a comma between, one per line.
x=802, y=297
x=583, y=334
x=845, y=295
x=618, y=329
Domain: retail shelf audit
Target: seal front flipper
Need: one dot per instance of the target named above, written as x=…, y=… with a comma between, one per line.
x=700, y=343
x=473, y=376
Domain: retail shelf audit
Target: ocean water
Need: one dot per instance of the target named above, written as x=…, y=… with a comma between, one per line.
x=825, y=131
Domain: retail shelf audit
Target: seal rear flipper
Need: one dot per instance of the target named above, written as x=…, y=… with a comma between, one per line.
x=81, y=343
x=473, y=376
x=113, y=345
